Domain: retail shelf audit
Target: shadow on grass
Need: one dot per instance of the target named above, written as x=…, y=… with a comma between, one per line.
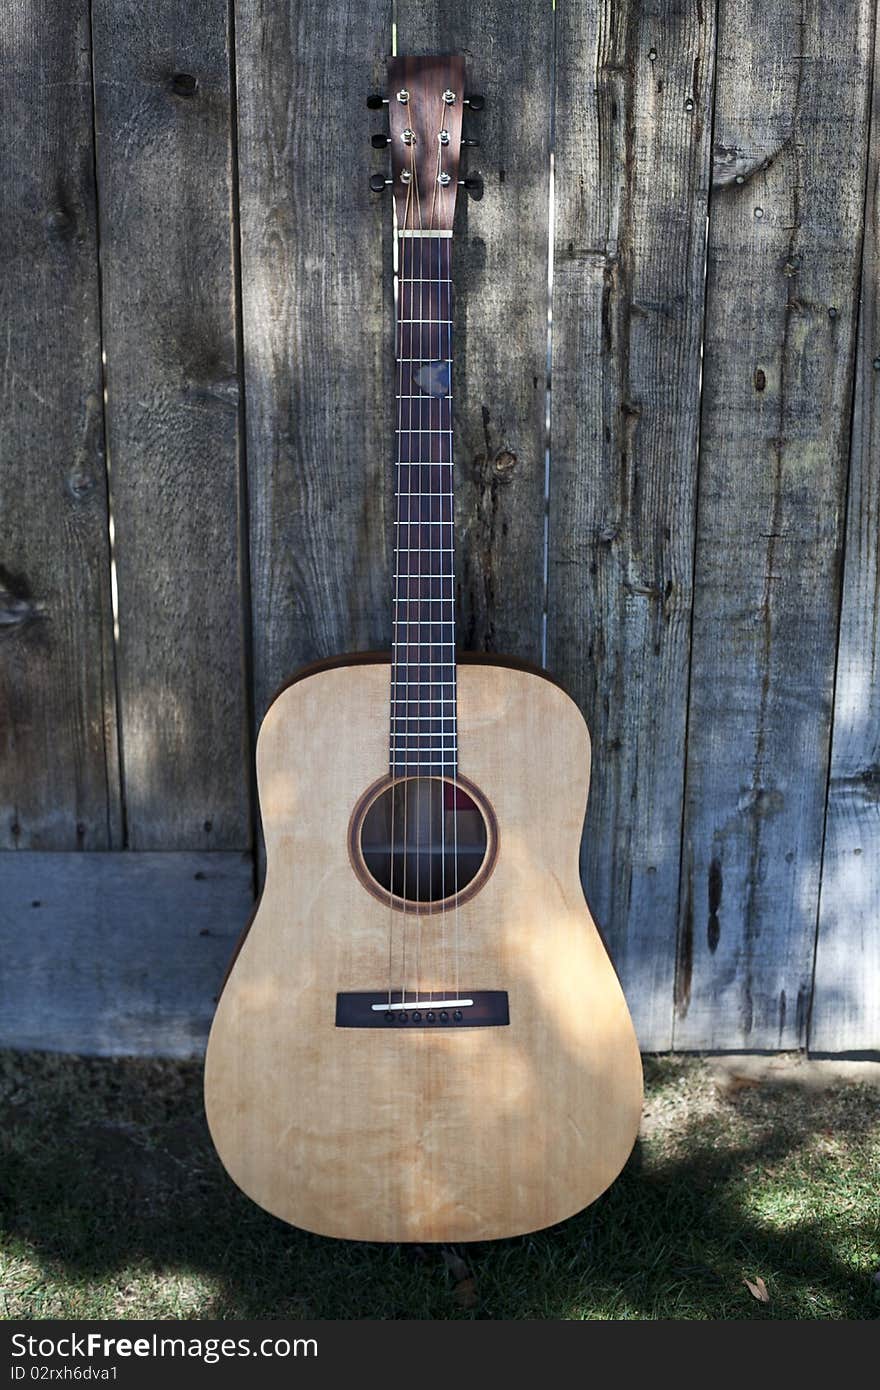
x=109, y=1185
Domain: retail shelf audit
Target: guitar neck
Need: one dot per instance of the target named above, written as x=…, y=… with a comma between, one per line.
x=423, y=688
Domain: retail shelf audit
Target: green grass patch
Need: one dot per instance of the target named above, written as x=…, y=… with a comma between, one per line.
x=113, y=1204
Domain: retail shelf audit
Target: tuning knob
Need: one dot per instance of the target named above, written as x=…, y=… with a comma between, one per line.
x=473, y=184
x=475, y=144
x=376, y=101
x=378, y=183
x=380, y=141
x=475, y=102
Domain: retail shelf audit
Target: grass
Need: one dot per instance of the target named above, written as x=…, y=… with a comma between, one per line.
x=112, y=1204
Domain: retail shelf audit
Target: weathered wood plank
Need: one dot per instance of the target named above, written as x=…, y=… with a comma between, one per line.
x=59, y=778
x=633, y=121
x=845, y=1014
x=784, y=236
x=500, y=276
x=117, y=953
x=167, y=238
x=317, y=330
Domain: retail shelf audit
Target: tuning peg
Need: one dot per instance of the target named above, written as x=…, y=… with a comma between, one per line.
x=379, y=183
x=380, y=141
x=474, y=143
x=473, y=184
x=375, y=102
x=475, y=102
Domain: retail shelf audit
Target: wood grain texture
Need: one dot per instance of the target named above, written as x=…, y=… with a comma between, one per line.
x=845, y=1014
x=461, y=1135
x=165, y=176
x=633, y=122
x=500, y=289
x=114, y=954
x=59, y=778
x=316, y=279
x=790, y=124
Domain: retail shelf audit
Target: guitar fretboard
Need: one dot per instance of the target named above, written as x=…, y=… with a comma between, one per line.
x=423, y=704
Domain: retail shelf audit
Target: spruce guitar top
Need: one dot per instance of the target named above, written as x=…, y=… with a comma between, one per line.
x=422, y=1037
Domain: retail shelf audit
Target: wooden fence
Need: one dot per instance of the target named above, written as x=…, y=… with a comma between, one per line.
x=196, y=475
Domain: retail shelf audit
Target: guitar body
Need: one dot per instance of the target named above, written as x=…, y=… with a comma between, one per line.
x=401, y=1132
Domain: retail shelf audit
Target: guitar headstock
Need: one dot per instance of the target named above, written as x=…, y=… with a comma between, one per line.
x=425, y=101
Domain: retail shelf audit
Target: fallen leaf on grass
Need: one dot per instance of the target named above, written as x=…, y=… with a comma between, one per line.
x=737, y=1082
x=456, y=1265
x=465, y=1293
x=758, y=1290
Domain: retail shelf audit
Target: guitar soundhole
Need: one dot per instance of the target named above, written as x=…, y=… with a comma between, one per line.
x=424, y=841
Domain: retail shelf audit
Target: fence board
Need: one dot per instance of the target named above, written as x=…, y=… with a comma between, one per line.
x=59, y=780
x=846, y=1000
x=115, y=954
x=633, y=122
x=500, y=272
x=317, y=331
x=790, y=122
x=165, y=178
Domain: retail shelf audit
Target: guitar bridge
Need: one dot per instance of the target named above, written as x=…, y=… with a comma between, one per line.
x=486, y=1008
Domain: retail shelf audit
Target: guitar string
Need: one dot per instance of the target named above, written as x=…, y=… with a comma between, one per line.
x=420, y=555
x=440, y=783
x=413, y=188
x=438, y=248
x=395, y=677
x=455, y=665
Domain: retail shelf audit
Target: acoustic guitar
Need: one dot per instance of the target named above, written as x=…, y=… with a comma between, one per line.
x=422, y=1037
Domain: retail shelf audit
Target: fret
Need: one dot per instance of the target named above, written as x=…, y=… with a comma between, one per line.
x=443, y=767
x=447, y=765
x=428, y=747
x=420, y=700
x=423, y=749
x=423, y=719
x=404, y=757
x=424, y=735
x=447, y=323
x=421, y=503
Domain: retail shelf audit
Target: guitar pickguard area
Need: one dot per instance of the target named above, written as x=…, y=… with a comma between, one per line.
x=484, y=1008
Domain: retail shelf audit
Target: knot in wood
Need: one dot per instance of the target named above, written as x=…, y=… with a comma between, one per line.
x=184, y=84
x=504, y=463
